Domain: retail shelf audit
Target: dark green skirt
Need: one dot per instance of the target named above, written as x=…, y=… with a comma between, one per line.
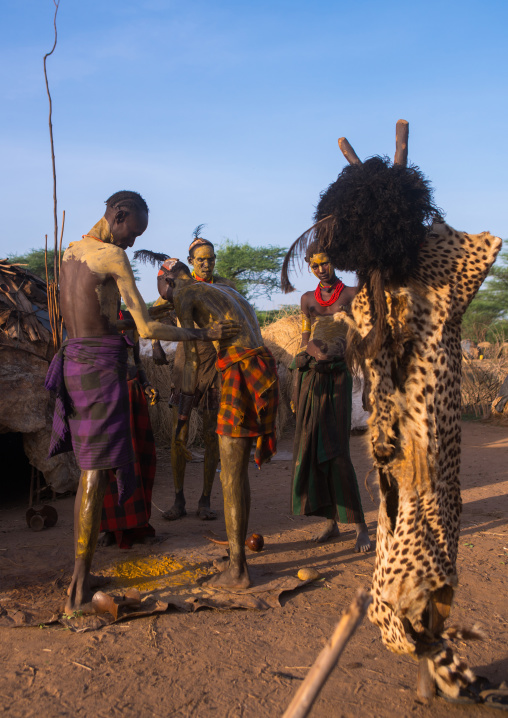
x=324, y=479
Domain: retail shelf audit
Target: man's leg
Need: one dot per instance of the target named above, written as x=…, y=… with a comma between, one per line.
x=87, y=521
x=234, y=458
x=211, y=440
x=179, y=456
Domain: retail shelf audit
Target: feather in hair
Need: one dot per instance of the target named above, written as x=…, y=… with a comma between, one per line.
x=322, y=230
x=198, y=230
x=148, y=257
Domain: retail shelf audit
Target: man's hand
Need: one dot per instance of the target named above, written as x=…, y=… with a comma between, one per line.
x=151, y=394
x=158, y=354
x=224, y=329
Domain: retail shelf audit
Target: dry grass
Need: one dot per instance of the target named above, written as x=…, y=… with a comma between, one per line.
x=283, y=339
x=481, y=380
x=161, y=415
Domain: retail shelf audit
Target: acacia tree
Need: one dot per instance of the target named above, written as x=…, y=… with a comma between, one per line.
x=487, y=315
x=255, y=270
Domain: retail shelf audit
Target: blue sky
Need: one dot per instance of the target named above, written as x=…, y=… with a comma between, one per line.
x=228, y=113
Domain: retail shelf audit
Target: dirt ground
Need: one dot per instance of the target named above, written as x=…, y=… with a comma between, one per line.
x=245, y=663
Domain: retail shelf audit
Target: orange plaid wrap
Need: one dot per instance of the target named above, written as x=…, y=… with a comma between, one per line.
x=249, y=397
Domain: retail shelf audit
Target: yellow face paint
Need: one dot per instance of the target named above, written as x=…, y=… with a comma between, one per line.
x=319, y=259
x=203, y=261
x=317, y=262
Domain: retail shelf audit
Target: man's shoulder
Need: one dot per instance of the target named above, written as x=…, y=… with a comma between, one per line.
x=99, y=256
x=307, y=297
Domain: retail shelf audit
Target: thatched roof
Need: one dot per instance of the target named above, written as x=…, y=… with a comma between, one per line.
x=24, y=319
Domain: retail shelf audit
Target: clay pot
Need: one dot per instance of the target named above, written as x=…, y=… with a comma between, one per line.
x=39, y=517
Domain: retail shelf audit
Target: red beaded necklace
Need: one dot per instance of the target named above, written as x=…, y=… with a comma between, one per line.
x=334, y=296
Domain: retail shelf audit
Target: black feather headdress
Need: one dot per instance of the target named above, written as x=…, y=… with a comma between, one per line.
x=197, y=232
x=148, y=257
x=373, y=218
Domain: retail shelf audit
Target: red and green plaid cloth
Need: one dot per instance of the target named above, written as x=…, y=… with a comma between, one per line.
x=130, y=522
x=249, y=397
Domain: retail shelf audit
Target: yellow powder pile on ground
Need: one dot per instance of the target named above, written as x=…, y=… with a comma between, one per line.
x=155, y=572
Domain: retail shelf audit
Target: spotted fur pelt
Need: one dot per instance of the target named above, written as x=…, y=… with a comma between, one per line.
x=414, y=393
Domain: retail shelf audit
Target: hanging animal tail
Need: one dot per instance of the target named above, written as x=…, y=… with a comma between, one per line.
x=360, y=348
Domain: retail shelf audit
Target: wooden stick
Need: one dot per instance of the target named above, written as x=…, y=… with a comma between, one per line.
x=401, y=137
x=348, y=152
x=31, y=494
x=55, y=218
x=304, y=698
x=60, y=248
x=46, y=263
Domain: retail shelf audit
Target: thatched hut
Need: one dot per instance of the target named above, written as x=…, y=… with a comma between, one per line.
x=26, y=349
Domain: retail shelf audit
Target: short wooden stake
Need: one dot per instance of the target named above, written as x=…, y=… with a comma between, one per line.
x=401, y=139
x=348, y=152
x=304, y=698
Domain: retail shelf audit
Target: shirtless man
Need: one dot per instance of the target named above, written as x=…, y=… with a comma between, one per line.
x=249, y=398
x=89, y=373
x=325, y=485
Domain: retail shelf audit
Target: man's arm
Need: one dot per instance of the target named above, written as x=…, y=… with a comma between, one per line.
x=306, y=322
x=158, y=353
x=306, y=327
x=147, y=329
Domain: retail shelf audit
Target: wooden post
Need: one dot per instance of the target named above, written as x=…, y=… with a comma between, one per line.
x=304, y=698
x=401, y=137
x=348, y=152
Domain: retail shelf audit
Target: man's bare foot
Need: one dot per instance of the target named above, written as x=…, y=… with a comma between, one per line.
x=107, y=539
x=94, y=582
x=174, y=513
x=80, y=592
x=232, y=577
x=205, y=513
x=362, y=544
x=331, y=530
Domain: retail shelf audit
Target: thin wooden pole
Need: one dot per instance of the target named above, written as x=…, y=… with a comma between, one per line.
x=348, y=152
x=55, y=218
x=60, y=248
x=304, y=698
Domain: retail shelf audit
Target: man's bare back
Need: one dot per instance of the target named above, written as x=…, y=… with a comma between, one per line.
x=89, y=295
x=203, y=304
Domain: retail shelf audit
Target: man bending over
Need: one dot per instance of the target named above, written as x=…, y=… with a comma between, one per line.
x=249, y=397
